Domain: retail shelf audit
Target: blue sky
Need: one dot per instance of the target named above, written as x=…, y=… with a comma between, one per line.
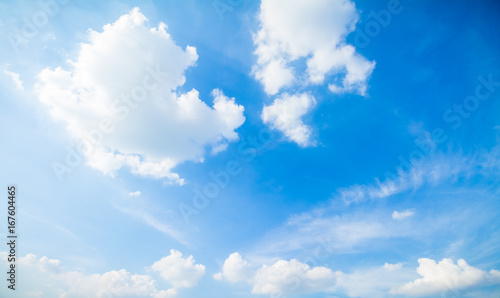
x=244, y=148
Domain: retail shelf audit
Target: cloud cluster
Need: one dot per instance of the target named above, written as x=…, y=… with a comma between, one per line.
x=119, y=101
x=235, y=269
x=280, y=278
x=313, y=33
x=49, y=279
x=446, y=276
x=178, y=271
x=294, y=277
x=15, y=79
x=285, y=114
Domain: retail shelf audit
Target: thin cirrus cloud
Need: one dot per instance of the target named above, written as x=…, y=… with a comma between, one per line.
x=313, y=32
x=15, y=79
x=430, y=170
x=118, y=100
x=351, y=231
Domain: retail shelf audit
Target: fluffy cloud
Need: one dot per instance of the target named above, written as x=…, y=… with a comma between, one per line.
x=49, y=279
x=292, y=277
x=235, y=269
x=117, y=283
x=446, y=276
x=119, y=101
x=281, y=278
x=285, y=114
x=178, y=271
x=402, y=215
x=315, y=31
x=43, y=264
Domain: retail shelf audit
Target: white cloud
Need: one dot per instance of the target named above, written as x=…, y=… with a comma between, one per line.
x=235, y=269
x=446, y=276
x=314, y=33
x=325, y=234
x=402, y=215
x=178, y=271
x=393, y=267
x=49, y=279
x=43, y=264
x=135, y=194
x=285, y=114
x=15, y=78
x=165, y=293
x=312, y=30
x=324, y=231
x=119, y=101
x=281, y=278
x=292, y=277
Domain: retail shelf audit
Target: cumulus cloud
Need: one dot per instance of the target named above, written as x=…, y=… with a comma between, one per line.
x=393, y=267
x=292, y=277
x=178, y=271
x=312, y=30
x=313, y=33
x=281, y=278
x=119, y=283
x=285, y=114
x=402, y=215
x=49, y=279
x=134, y=193
x=43, y=264
x=446, y=276
x=118, y=100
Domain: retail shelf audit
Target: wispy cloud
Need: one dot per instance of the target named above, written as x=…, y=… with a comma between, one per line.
x=432, y=170
x=154, y=222
x=402, y=214
x=15, y=78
